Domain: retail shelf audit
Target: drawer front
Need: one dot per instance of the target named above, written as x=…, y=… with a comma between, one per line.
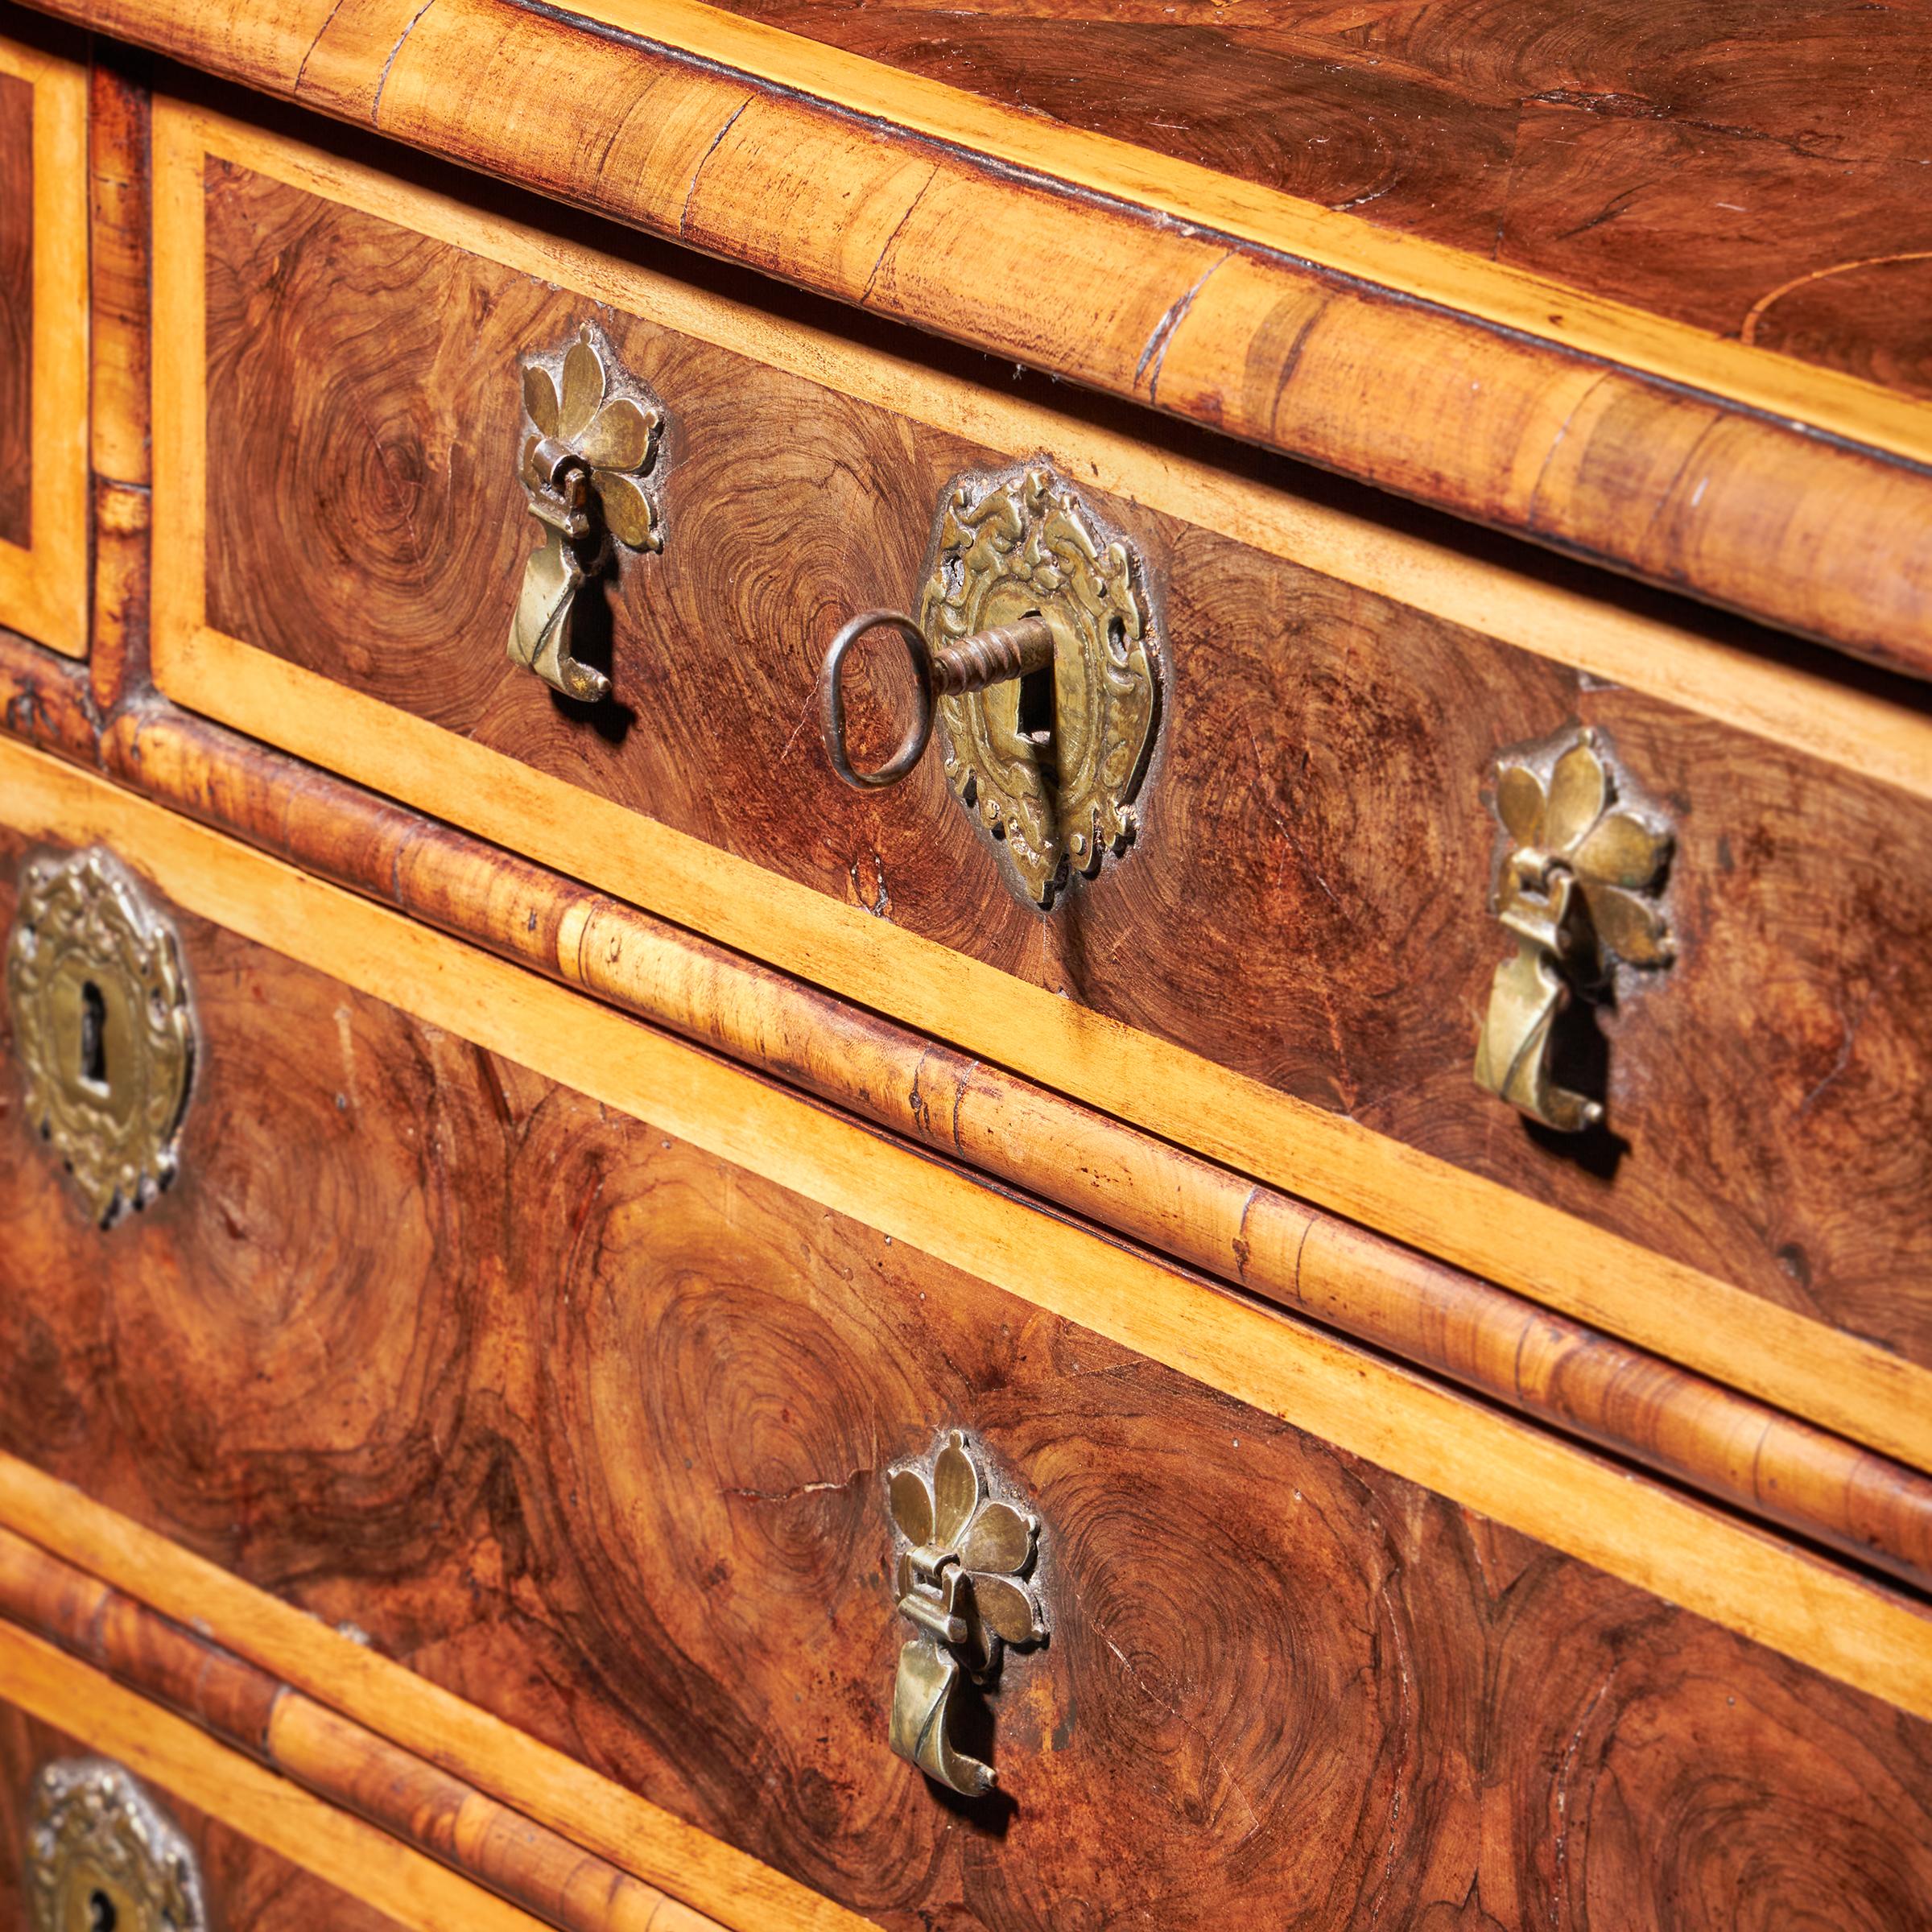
x=1308, y=904
x=44, y=382
x=594, y=1427
x=103, y=1850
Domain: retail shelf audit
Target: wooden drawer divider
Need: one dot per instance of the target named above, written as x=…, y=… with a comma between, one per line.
x=339, y=1760
x=1561, y=1371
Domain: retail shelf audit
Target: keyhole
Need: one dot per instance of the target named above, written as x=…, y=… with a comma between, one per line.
x=100, y=1913
x=93, y=1056
x=1036, y=705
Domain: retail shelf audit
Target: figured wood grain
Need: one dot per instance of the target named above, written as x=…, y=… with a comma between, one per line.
x=1605, y=628
x=245, y=1884
x=1282, y=914
x=1701, y=165
x=1690, y=1555
x=603, y=1451
x=329, y=1755
x=1206, y=303
x=267, y=1811
x=16, y=309
x=43, y=333
x=344, y=1674
x=1839, y=1379
x=1564, y=1371
x=119, y=225
x=1072, y=1156
x=1561, y=1371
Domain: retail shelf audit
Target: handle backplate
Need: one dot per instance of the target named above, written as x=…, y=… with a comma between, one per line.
x=1579, y=882
x=589, y=467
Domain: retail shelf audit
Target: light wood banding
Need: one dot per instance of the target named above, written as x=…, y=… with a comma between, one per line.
x=1682, y=1552
x=44, y=581
x=1263, y=338
x=339, y=1762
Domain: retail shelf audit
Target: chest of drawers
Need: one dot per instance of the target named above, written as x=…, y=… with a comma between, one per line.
x=1285, y=1284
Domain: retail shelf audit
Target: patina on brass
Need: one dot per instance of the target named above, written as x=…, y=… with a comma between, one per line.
x=102, y=1026
x=989, y=657
x=1036, y=637
x=962, y=1584
x=100, y=1858
x=1577, y=887
x=588, y=469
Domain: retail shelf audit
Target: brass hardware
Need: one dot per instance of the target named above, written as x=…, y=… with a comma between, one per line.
x=102, y=1858
x=962, y=1585
x=1047, y=737
x=587, y=470
x=1015, y=650
x=1576, y=887
x=102, y=1027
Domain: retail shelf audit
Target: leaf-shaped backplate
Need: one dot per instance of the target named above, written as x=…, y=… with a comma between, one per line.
x=955, y=1485
x=999, y=1539
x=1519, y=804
x=1622, y=850
x=540, y=399
x=1579, y=789
x=1631, y=928
x=911, y=1503
x=619, y=436
x=627, y=511
x=583, y=390
x=1007, y=1609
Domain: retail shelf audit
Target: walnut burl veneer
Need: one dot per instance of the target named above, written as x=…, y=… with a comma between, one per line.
x=44, y=509
x=1752, y=171
x=602, y=1447
x=1305, y=904
x=1573, y=411
x=16, y=309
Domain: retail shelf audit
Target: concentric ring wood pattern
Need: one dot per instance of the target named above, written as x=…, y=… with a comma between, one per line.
x=592, y=1428
x=1307, y=903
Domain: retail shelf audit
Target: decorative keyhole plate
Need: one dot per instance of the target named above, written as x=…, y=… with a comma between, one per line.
x=102, y=1858
x=101, y=1027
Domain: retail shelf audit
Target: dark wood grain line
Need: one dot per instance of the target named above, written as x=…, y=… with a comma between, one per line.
x=16, y=310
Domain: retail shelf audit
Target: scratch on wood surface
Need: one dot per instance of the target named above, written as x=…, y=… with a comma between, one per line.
x=319, y=32
x=898, y=228
x=691, y=187
x=375, y=107
x=1155, y=352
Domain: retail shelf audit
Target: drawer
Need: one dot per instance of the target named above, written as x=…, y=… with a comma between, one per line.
x=43, y=318
x=572, y=1367
x=1291, y=965
x=89, y=1844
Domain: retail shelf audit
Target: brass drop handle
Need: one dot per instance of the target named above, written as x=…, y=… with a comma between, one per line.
x=965, y=1582
x=987, y=658
x=1578, y=889
x=587, y=470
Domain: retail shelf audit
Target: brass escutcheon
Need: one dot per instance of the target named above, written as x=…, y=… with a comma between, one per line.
x=588, y=469
x=962, y=1584
x=102, y=1858
x=101, y=1027
x=1577, y=887
x=1036, y=646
